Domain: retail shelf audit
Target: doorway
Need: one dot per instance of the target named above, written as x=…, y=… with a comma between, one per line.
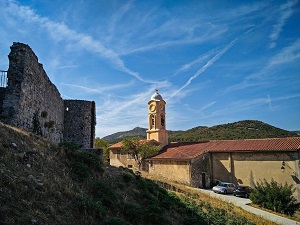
x=203, y=180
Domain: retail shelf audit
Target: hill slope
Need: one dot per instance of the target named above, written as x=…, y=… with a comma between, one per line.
x=137, y=131
x=42, y=183
x=245, y=129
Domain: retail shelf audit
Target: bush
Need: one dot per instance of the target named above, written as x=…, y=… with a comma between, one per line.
x=104, y=193
x=114, y=221
x=83, y=162
x=92, y=206
x=133, y=212
x=275, y=196
x=80, y=171
x=127, y=177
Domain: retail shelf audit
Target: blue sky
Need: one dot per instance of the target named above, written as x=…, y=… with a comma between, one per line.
x=214, y=62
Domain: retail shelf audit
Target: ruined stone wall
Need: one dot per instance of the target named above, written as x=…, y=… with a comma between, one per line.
x=2, y=95
x=79, y=122
x=31, y=101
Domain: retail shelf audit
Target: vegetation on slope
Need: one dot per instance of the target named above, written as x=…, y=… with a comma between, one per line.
x=246, y=129
x=42, y=183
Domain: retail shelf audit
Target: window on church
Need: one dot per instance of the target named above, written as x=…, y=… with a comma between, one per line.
x=162, y=120
x=152, y=121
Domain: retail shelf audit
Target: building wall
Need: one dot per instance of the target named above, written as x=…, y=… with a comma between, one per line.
x=79, y=122
x=118, y=158
x=200, y=172
x=249, y=168
x=173, y=170
x=221, y=167
x=30, y=96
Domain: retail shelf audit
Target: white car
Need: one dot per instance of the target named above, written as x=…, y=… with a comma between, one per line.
x=224, y=188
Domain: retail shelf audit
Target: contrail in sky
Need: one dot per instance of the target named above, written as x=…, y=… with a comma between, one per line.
x=206, y=66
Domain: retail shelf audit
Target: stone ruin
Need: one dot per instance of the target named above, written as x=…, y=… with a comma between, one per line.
x=30, y=101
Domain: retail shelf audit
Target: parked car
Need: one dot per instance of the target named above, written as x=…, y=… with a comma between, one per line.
x=242, y=191
x=224, y=188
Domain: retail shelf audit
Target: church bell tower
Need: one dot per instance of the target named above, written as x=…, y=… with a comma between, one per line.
x=157, y=119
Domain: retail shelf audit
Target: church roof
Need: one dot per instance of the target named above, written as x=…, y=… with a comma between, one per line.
x=120, y=144
x=190, y=150
x=156, y=96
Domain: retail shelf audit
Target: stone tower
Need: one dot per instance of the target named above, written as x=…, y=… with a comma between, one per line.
x=157, y=119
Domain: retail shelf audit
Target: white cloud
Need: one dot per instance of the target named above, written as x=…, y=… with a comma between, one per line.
x=263, y=76
x=100, y=89
x=61, y=32
x=287, y=54
x=205, y=67
x=285, y=13
x=117, y=17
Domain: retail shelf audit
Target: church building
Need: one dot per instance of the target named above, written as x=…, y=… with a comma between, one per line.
x=202, y=164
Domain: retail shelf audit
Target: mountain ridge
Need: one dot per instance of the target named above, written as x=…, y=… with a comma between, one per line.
x=244, y=129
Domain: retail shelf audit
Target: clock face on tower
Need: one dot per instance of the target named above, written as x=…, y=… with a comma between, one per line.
x=152, y=107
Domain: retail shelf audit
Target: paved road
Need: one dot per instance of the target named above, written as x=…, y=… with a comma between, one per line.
x=243, y=203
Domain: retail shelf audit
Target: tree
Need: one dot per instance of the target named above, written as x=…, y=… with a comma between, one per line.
x=140, y=149
x=100, y=143
x=274, y=196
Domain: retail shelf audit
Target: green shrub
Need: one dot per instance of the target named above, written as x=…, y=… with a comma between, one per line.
x=92, y=206
x=128, y=177
x=153, y=214
x=104, y=193
x=133, y=212
x=83, y=162
x=114, y=221
x=69, y=145
x=275, y=196
x=80, y=171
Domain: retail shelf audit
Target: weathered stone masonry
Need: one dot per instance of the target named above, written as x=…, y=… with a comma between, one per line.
x=32, y=102
x=79, y=115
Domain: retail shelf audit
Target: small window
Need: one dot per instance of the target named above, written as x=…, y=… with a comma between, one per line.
x=162, y=120
x=151, y=163
x=129, y=166
x=152, y=121
x=130, y=156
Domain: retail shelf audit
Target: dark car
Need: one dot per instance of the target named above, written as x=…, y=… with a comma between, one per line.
x=242, y=191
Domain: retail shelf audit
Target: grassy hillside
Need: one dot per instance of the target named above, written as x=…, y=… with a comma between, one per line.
x=42, y=183
x=246, y=129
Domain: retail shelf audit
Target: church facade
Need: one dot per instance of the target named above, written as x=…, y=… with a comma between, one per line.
x=202, y=164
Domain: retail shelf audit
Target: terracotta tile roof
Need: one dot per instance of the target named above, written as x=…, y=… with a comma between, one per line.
x=119, y=144
x=181, y=150
x=186, y=151
x=116, y=146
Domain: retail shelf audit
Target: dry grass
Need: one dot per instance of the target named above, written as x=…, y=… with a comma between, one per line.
x=276, y=213
x=35, y=180
x=214, y=202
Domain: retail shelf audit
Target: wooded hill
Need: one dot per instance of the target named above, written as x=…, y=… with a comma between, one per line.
x=246, y=129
